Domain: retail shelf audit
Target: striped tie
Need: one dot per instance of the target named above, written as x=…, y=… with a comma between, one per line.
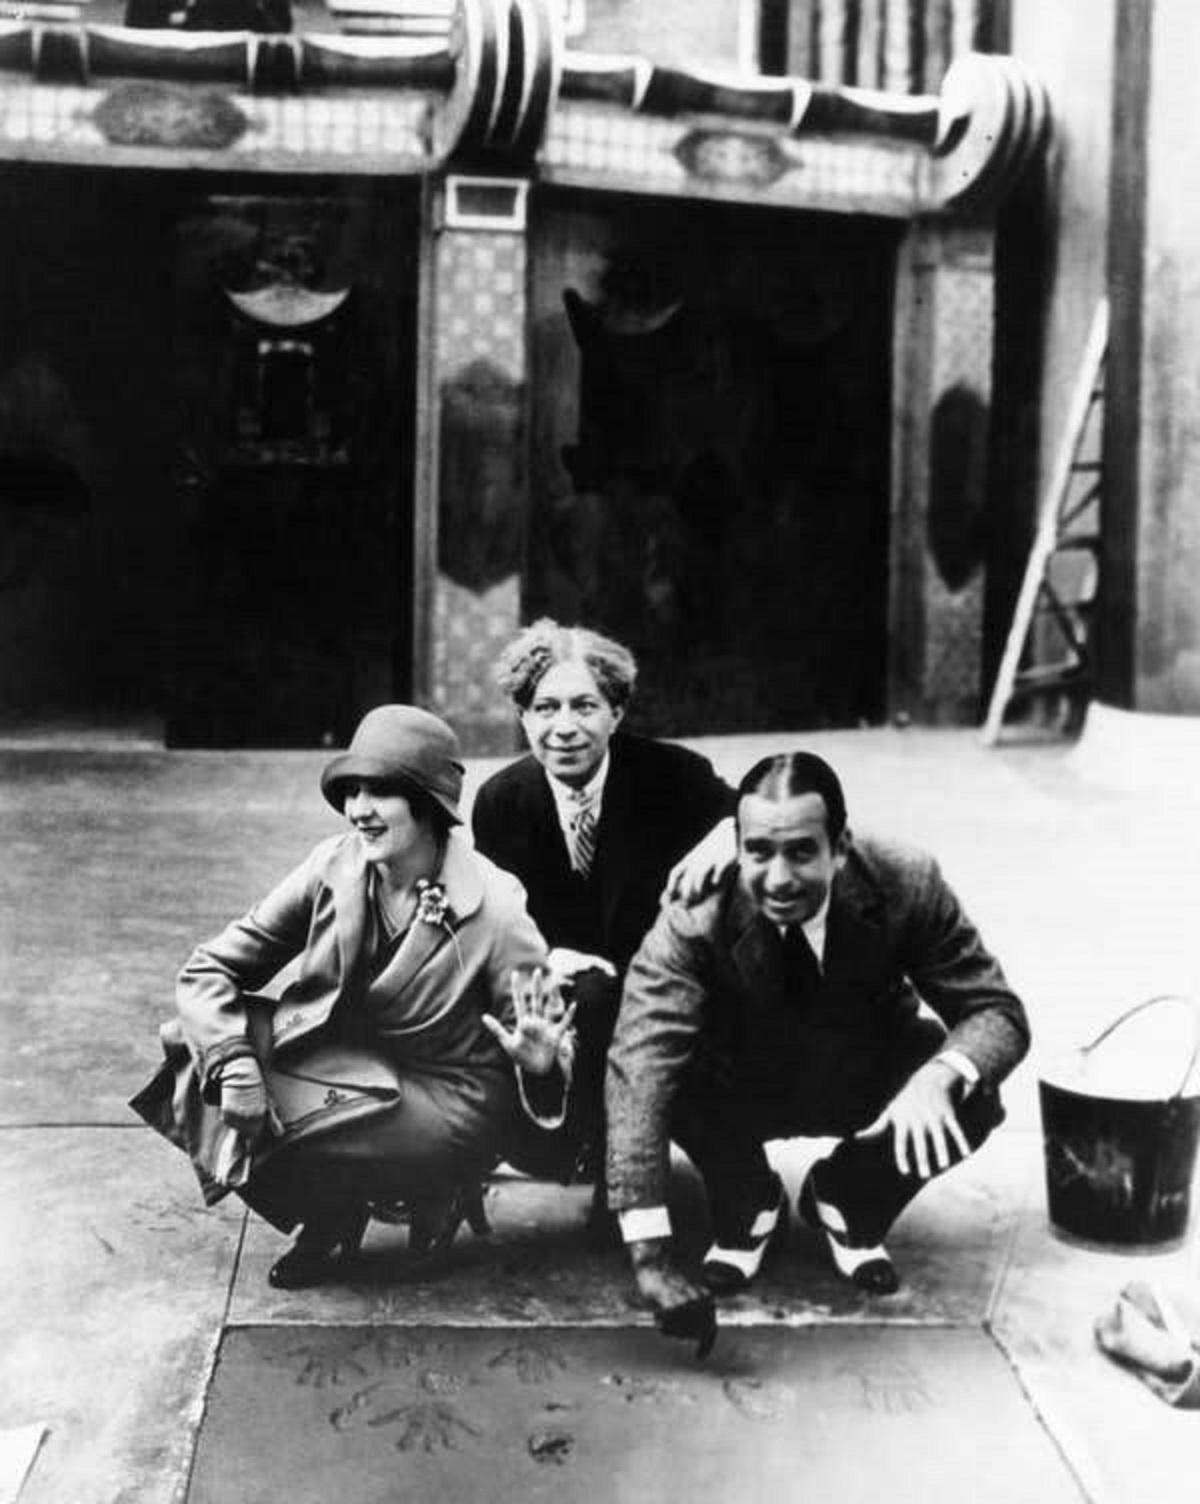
x=583, y=838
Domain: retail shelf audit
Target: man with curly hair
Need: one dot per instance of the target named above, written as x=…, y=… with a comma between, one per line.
x=594, y=821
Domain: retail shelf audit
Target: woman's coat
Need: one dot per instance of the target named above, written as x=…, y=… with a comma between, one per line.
x=442, y=978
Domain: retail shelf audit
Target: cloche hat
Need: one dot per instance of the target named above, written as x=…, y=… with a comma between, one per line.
x=401, y=742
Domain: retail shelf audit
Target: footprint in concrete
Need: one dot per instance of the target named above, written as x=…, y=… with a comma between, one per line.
x=551, y=1446
x=755, y=1399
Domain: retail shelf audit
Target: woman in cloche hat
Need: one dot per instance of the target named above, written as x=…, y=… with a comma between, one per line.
x=389, y=1070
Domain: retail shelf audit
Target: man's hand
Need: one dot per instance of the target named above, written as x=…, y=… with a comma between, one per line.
x=695, y=875
x=541, y=1032
x=564, y=965
x=922, y=1119
x=680, y=1308
x=245, y=1105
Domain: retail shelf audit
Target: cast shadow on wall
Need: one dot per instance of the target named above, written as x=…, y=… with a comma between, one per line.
x=482, y=476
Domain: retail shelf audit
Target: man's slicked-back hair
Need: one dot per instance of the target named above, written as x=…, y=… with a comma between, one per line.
x=790, y=773
x=536, y=650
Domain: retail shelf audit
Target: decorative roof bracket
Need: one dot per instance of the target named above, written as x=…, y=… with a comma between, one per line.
x=493, y=96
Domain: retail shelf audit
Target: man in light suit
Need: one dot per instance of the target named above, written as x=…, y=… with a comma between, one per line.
x=592, y=821
x=785, y=1004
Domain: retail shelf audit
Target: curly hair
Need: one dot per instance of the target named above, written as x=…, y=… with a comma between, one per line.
x=541, y=645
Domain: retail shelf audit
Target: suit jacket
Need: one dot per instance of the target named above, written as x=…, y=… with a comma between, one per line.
x=704, y=1010
x=446, y=975
x=659, y=799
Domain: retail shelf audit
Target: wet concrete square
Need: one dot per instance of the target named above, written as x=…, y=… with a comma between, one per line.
x=605, y=1415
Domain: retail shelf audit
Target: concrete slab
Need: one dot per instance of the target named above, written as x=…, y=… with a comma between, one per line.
x=1124, y=1443
x=844, y=1414
x=118, y=862
x=113, y=1289
x=951, y=1248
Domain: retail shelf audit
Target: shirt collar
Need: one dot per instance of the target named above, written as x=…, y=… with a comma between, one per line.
x=814, y=931
x=568, y=799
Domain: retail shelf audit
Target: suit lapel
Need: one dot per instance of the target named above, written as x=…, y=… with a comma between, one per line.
x=753, y=946
x=854, y=942
x=463, y=882
x=348, y=882
x=549, y=849
x=619, y=832
x=854, y=936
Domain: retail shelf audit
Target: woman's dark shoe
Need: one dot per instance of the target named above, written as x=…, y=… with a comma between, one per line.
x=318, y=1251
x=433, y=1224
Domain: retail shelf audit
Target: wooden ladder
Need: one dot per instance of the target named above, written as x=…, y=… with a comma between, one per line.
x=1049, y=645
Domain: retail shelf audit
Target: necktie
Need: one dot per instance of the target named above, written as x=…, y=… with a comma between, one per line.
x=801, y=970
x=583, y=837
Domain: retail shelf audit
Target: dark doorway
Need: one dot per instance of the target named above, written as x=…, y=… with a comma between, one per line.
x=295, y=318
x=206, y=410
x=86, y=422
x=711, y=436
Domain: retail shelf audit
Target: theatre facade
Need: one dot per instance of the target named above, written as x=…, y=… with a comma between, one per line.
x=339, y=341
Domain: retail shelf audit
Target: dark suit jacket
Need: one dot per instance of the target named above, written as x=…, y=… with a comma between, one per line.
x=704, y=1010
x=659, y=799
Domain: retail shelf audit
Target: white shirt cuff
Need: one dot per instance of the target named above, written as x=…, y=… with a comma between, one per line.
x=641, y=1223
x=963, y=1064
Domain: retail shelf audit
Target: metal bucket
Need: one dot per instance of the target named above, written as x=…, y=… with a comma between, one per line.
x=1119, y=1170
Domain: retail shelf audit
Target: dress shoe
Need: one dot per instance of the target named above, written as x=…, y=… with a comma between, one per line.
x=318, y=1251
x=434, y=1222
x=730, y=1265
x=867, y=1266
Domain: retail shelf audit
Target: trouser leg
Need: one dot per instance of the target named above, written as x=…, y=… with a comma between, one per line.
x=713, y=1132
x=428, y=1144
x=861, y=1176
x=577, y=1147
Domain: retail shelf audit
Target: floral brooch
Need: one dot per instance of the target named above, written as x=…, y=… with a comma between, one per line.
x=432, y=904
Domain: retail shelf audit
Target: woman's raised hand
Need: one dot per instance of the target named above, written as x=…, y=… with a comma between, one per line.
x=541, y=1035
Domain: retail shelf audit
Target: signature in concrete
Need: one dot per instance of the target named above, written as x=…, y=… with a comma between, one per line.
x=888, y=1387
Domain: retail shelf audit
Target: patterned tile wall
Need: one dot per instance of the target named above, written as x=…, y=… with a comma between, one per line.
x=480, y=315
x=961, y=357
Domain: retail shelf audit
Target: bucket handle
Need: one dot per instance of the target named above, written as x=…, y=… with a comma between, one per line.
x=1162, y=997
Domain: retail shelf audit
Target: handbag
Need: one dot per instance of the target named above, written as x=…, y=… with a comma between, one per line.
x=318, y=1086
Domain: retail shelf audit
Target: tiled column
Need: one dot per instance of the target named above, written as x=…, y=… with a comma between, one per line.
x=943, y=358
x=477, y=384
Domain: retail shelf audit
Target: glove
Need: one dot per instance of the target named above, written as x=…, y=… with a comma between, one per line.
x=244, y=1096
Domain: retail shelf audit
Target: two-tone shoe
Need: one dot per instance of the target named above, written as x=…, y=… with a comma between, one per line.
x=733, y=1263
x=865, y=1265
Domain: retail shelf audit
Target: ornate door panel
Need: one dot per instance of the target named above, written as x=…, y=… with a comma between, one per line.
x=294, y=355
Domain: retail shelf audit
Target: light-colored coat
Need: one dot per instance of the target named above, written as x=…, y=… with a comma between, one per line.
x=446, y=976
x=432, y=993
